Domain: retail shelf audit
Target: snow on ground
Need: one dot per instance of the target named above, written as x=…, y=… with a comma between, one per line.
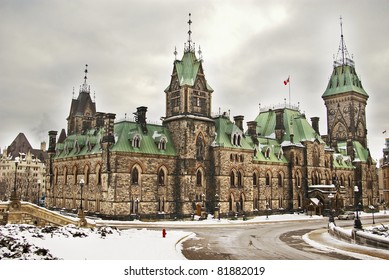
x=72, y=243
x=109, y=243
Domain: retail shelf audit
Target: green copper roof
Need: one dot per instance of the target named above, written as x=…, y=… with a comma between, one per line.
x=264, y=150
x=126, y=131
x=344, y=79
x=294, y=122
x=225, y=129
x=188, y=69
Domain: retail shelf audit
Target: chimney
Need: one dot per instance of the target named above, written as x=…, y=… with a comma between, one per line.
x=280, y=128
x=109, y=121
x=43, y=146
x=252, y=128
x=315, y=124
x=239, y=121
x=140, y=117
x=52, y=141
x=99, y=120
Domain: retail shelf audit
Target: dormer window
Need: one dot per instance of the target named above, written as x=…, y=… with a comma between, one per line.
x=162, y=144
x=136, y=141
x=237, y=139
x=267, y=153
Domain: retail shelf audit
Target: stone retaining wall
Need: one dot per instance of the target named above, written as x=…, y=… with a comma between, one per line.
x=359, y=237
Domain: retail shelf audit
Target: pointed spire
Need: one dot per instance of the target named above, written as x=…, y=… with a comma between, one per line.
x=343, y=57
x=85, y=87
x=190, y=46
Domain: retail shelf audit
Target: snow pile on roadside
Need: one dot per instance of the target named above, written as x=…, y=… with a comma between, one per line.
x=72, y=243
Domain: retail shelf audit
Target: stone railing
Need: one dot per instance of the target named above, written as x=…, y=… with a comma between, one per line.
x=358, y=237
x=16, y=212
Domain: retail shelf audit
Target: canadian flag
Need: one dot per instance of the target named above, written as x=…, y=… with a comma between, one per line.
x=286, y=81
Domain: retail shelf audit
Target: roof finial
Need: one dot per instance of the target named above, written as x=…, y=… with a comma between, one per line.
x=175, y=53
x=342, y=50
x=190, y=47
x=200, y=54
x=86, y=72
x=85, y=87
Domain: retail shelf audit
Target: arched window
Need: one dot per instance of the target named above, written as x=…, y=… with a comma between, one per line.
x=199, y=178
x=316, y=156
x=298, y=180
x=239, y=138
x=199, y=147
x=234, y=140
x=136, y=141
x=232, y=179
x=255, y=179
x=280, y=180
x=162, y=144
x=239, y=179
x=98, y=175
x=267, y=179
x=135, y=176
x=161, y=177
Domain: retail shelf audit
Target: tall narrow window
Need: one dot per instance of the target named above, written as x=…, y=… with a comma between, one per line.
x=199, y=147
x=280, y=180
x=135, y=176
x=199, y=178
x=254, y=179
x=161, y=177
x=267, y=179
x=232, y=179
x=239, y=179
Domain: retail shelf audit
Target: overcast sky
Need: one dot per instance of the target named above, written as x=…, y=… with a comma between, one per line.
x=249, y=48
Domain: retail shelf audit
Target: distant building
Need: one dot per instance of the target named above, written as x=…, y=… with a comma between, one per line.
x=384, y=174
x=20, y=159
x=197, y=162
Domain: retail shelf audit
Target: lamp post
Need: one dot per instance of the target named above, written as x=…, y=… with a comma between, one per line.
x=371, y=207
x=331, y=218
x=357, y=221
x=39, y=185
x=81, y=186
x=13, y=196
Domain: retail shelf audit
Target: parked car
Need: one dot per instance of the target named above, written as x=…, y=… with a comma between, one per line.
x=348, y=215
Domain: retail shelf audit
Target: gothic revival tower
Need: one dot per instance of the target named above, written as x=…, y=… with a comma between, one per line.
x=82, y=110
x=345, y=100
x=188, y=118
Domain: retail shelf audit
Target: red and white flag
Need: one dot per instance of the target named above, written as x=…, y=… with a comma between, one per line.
x=286, y=81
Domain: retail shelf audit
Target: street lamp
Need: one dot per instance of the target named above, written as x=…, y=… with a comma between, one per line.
x=357, y=221
x=82, y=182
x=14, y=191
x=371, y=207
x=39, y=185
x=331, y=219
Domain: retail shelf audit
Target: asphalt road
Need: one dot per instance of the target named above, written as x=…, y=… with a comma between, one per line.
x=270, y=241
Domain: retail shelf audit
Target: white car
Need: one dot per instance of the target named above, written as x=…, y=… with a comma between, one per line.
x=348, y=215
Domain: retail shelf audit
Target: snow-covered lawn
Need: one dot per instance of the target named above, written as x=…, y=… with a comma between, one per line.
x=72, y=243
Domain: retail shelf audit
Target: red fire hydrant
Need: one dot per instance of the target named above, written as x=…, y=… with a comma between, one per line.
x=164, y=233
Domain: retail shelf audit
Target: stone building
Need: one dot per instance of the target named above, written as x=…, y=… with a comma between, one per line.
x=384, y=175
x=195, y=162
x=22, y=162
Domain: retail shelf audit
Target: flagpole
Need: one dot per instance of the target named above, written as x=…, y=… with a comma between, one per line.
x=289, y=89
